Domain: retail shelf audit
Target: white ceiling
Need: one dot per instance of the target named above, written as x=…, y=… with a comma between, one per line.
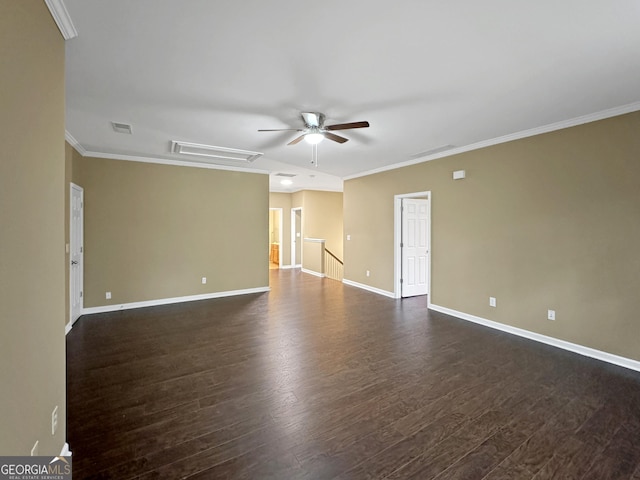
x=424, y=73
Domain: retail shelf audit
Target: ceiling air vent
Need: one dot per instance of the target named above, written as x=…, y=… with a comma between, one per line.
x=290, y=175
x=121, y=127
x=198, y=150
x=433, y=151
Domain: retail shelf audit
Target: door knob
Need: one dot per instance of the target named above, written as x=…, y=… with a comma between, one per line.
x=73, y=262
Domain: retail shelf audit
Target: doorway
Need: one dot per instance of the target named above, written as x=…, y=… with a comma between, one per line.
x=275, y=238
x=76, y=252
x=412, y=244
x=296, y=237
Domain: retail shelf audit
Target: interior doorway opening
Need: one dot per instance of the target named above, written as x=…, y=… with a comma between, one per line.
x=275, y=238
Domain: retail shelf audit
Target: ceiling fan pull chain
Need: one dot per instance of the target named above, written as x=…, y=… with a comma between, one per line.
x=314, y=154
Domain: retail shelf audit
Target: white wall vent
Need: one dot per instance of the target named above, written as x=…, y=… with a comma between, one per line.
x=199, y=150
x=290, y=175
x=122, y=127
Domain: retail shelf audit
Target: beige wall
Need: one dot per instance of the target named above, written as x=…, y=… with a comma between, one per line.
x=153, y=231
x=32, y=255
x=313, y=256
x=322, y=217
x=546, y=222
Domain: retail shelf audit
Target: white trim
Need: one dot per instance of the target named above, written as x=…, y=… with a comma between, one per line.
x=312, y=272
x=63, y=19
x=162, y=161
x=74, y=143
x=65, y=452
x=314, y=240
x=67, y=328
x=288, y=267
x=369, y=288
x=554, y=342
x=397, y=235
x=167, y=301
x=178, y=163
x=573, y=122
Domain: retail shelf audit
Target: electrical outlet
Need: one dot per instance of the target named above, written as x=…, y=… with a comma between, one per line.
x=34, y=450
x=368, y=273
x=492, y=302
x=107, y=295
x=551, y=314
x=204, y=280
x=54, y=420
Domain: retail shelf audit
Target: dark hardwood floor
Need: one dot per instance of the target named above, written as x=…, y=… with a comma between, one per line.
x=316, y=380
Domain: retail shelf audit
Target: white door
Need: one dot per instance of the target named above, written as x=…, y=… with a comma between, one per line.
x=76, y=255
x=415, y=247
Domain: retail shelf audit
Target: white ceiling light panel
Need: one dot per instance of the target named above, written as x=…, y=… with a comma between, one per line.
x=211, y=151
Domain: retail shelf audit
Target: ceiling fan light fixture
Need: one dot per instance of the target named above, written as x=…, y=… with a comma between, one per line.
x=313, y=138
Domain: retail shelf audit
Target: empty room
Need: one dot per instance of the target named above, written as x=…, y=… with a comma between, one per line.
x=337, y=240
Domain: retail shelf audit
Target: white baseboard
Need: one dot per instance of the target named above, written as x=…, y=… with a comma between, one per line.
x=67, y=328
x=311, y=272
x=554, y=342
x=167, y=301
x=288, y=267
x=65, y=451
x=379, y=291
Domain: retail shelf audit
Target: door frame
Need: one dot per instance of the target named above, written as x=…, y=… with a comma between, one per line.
x=397, y=237
x=73, y=186
x=279, y=234
x=293, y=237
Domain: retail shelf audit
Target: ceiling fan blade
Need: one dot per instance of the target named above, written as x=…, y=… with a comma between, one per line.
x=282, y=130
x=296, y=140
x=335, y=138
x=345, y=126
x=312, y=119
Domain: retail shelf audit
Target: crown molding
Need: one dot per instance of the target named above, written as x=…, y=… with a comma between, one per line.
x=62, y=18
x=177, y=163
x=573, y=122
x=74, y=143
x=162, y=161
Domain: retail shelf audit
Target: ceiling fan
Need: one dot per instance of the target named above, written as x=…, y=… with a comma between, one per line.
x=315, y=130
